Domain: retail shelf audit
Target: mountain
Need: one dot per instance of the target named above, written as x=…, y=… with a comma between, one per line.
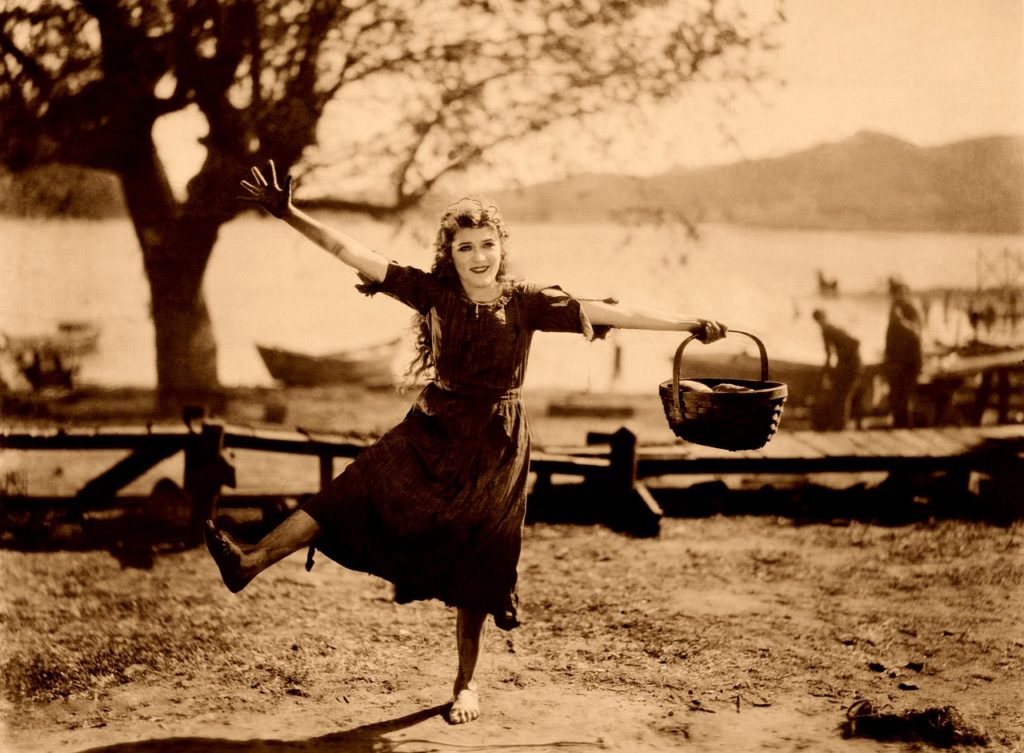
x=870, y=181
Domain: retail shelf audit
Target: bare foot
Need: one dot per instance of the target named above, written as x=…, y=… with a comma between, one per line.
x=228, y=555
x=465, y=707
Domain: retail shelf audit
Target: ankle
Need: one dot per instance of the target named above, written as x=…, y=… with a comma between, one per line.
x=463, y=684
x=254, y=560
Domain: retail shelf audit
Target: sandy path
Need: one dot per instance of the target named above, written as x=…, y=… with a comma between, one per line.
x=628, y=644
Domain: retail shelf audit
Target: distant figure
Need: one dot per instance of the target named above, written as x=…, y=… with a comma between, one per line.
x=989, y=315
x=827, y=288
x=903, y=356
x=841, y=373
x=34, y=371
x=974, y=319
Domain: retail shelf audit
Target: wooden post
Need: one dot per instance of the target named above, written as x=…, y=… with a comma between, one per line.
x=206, y=471
x=1003, y=464
x=628, y=503
x=982, y=396
x=541, y=485
x=1003, y=395
x=623, y=460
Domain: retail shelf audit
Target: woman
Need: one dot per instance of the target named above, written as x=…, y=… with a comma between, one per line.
x=436, y=506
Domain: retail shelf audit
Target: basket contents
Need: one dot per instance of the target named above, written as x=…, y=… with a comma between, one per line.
x=726, y=387
x=689, y=384
x=695, y=386
x=733, y=414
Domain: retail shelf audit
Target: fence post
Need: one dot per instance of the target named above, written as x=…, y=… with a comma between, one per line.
x=206, y=471
x=630, y=505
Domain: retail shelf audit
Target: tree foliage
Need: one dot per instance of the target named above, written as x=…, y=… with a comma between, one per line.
x=415, y=90
x=456, y=78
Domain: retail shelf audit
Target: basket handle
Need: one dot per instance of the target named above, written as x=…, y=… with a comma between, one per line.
x=677, y=362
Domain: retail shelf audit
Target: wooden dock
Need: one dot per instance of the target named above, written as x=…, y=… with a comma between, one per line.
x=615, y=465
x=618, y=464
x=804, y=452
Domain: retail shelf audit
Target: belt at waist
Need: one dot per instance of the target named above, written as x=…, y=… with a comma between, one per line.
x=513, y=393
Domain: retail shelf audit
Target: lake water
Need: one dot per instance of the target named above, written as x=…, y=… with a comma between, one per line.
x=266, y=284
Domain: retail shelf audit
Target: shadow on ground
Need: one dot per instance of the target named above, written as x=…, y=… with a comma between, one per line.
x=370, y=737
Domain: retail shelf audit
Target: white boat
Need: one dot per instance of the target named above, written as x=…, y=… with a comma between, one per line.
x=372, y=365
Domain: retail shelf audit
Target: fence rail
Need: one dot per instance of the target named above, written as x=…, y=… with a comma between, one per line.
x=614, y=462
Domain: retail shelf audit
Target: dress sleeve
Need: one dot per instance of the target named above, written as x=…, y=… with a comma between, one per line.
x=413, y=287
x=551, y=309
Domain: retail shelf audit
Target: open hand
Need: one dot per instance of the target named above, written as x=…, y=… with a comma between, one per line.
x=710, y=331
x=268, y=196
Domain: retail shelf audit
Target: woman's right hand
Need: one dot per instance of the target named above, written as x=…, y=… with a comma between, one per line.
x=269, y=196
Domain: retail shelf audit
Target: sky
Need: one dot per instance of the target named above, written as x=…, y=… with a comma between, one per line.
x=927, y=71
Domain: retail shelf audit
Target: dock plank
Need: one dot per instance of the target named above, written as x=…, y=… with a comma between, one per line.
x=884, y=443
x=796, y=452
x=799, y=446
x=868, y=444
x=945, y=443
x=915, y=444
x=831, y=443
x=785, y=445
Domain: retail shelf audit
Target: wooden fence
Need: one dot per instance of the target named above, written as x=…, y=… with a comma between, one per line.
x=613, y=463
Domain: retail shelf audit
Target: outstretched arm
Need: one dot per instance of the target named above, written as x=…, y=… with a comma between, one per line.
x=630, y=316
x=277, y=200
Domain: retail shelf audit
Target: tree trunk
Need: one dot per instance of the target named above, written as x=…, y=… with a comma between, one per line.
x=186, y=352
x=175, y=249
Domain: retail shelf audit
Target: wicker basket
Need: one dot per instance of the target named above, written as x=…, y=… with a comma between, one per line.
x=728, y=420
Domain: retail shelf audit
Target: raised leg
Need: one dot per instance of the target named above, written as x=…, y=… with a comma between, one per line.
x=239, y=564
x=469, y=633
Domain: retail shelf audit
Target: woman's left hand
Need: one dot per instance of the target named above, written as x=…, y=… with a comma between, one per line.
x=709, y=331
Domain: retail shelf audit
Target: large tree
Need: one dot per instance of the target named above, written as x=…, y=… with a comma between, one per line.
x=83, y=82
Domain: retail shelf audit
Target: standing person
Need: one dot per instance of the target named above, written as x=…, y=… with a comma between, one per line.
x=903, y=355
x=436, y=505
x=841, y=371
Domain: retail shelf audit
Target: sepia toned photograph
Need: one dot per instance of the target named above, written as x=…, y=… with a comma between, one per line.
x=511, y=375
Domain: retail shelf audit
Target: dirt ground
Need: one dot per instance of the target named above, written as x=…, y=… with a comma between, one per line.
x=739, y=633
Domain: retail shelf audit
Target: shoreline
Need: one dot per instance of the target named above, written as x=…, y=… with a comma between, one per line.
x=557, y=417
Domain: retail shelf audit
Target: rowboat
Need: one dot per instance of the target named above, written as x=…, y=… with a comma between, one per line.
x=371, y=365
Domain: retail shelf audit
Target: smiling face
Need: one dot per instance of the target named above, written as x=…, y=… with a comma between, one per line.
x=476, y=254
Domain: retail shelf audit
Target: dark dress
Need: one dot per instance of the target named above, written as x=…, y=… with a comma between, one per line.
x=436, y=505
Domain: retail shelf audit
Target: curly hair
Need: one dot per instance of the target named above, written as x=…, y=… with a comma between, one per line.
x=464, y=213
